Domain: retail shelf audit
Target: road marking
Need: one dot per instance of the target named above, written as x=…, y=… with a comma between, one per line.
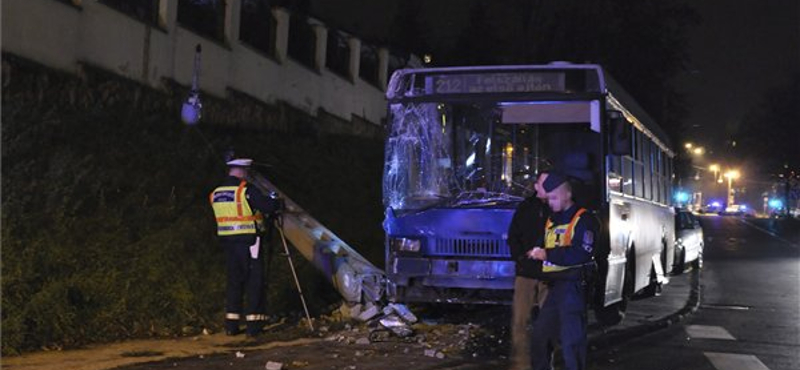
x=708, y=332
x=770, y=233
x=725, y=307
x=733, y=361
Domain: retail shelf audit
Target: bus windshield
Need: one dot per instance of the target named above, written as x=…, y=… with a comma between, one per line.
x=478, y=154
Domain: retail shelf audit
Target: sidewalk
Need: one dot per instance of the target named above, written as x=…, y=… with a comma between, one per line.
x=679, y=299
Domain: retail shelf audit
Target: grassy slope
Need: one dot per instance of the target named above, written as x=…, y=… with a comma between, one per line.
x=106, y=229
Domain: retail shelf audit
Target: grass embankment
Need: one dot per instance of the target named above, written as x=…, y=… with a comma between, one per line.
x=106, y=229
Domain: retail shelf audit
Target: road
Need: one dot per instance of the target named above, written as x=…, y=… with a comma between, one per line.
x=749, y=317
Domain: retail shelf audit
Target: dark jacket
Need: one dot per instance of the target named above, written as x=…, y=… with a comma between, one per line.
x=258, y=202
x=525, y=232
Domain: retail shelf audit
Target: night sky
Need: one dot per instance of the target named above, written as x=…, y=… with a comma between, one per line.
x=740, y=49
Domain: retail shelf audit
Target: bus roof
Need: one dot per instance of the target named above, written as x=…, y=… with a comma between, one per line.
x=554, y=79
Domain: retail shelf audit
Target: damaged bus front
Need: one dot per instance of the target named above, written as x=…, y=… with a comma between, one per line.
x=463, y=149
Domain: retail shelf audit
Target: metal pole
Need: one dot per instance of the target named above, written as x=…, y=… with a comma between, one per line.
x=730, y=191
x=294, y=274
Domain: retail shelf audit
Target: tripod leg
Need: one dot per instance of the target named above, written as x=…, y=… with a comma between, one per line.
x=296, y=280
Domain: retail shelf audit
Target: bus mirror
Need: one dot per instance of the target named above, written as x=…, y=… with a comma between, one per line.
x=619, y=132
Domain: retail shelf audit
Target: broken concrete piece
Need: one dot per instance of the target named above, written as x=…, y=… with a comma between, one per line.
x=362, y=341
x=369, y=311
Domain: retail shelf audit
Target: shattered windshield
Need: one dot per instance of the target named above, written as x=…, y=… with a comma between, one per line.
x=467, y=154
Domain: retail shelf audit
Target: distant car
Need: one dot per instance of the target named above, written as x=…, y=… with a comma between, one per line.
x=688, y=241
x=734, y=210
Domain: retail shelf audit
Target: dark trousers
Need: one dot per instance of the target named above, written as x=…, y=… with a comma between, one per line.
x=562, y=317
x=245, y=277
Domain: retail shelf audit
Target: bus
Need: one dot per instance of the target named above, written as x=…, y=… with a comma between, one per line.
x=462, y=148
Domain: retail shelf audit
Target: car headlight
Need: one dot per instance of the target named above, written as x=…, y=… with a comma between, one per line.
x=405, y=244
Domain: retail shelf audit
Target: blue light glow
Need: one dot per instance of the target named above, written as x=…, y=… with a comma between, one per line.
x=775, y=203
x=681, y=197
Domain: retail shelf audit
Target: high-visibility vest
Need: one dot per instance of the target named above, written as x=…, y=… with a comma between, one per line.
x=233, y=213
x=559, y=236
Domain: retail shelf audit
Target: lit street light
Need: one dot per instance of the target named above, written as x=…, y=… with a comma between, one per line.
x=731, y=175
x=715, y=169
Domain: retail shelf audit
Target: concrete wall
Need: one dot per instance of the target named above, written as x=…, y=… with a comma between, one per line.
x=65, y=35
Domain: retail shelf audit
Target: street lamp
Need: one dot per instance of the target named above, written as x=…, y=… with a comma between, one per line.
x=731, y=175
x=715, y=169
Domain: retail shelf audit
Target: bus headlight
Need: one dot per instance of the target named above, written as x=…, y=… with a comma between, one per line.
x=405, y=244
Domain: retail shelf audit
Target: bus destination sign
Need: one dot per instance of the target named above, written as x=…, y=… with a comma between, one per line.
x=499, y=82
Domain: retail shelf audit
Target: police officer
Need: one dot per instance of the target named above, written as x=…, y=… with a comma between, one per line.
x=240, y=210
x=570, y=235
x=525, y=232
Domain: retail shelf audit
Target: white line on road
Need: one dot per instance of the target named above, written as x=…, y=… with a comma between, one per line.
x=770, y=233
x=733, y=361
x=708, y=332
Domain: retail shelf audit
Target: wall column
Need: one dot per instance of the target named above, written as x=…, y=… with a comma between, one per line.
x=233, y=16
x=383, y=68
x=281, y=33
x=321, y=49
x=355, y=57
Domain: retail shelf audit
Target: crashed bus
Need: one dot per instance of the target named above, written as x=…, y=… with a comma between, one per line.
x=462, y=149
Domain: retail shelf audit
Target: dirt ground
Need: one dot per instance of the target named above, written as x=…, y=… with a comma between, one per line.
x=336, y=344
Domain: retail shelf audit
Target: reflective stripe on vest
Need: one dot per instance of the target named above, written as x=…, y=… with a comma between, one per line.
x=559, y=236
x=233, y=214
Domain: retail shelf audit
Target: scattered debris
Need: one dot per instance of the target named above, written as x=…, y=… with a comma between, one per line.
x=271, y=365
x=239, y=354
x=362, y=341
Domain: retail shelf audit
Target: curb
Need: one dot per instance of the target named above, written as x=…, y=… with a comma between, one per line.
x=616, y=337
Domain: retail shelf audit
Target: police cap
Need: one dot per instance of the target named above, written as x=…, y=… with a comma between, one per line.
x=554, y=179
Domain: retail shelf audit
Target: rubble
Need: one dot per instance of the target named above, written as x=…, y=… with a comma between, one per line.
x=362, y=341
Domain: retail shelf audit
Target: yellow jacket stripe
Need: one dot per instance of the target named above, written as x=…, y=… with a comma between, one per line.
x=233, y=214
x=559, y=236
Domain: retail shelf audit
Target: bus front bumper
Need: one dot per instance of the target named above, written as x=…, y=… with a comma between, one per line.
x=452, y=273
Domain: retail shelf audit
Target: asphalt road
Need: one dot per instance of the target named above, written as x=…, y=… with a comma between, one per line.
x=749, y=317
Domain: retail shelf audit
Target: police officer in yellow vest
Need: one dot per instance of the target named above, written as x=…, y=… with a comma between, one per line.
x=570, y=234
x=240, y=211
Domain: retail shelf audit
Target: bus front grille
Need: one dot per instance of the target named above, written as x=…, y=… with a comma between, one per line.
x=471, y=247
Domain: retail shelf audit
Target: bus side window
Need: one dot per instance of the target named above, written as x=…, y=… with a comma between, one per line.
x=619, y=133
